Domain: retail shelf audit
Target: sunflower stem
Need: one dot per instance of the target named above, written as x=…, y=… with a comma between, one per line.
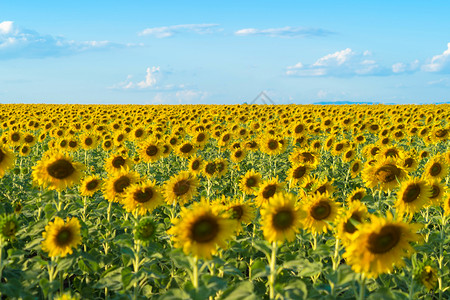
x=58, y=203
x=195, y=272
x=314, y=243
x=1, y=265
x=336, y=255
x=441, y=256
x=273, y=264
x=136, y=262
x=411, y=287
x=362, y=287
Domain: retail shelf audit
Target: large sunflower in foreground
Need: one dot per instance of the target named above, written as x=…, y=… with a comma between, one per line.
x=281, y=218
x=376, y=247
x=200, y=229
x=60, y=237
x=180, y=188
x=144, y=197
x=385, y=174
x=6, y=160
x=57, y=171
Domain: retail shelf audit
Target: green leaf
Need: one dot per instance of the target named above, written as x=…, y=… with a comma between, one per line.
x=241, y=291
x=294, y=290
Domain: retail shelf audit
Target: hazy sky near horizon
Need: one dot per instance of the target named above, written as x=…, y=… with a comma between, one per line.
x=227, y=52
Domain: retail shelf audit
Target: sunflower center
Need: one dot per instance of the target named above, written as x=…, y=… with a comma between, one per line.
x=29, y=139
x=181, y=187
x=408, y=162
x=238, y=212
x=201, y=137
x=15, y=137
x=92, y=185
x=108, y=144
x=186, y=148
x=355, y=167
x=88, y=141
x=118, y=162
x=60, y=169
x=64, y=237
x=441, y=133
x=269, y=191
x=387, y=173
x=238, y=154
x=195, y=165
x=321, y=210
x=121, y=184
x=283, y=219
x=72, y=144
x=322, y=189
x=339, y=147
x=411, y=193
x=327, y=122
x=435, y=169
x=349, y=154
x=348, y=226
x=307, y=157
x=2, y=155
x=385, y=240
x=220, y=166
x=210, y=168
x=391, y=153
x=435, y=191
x=205, y=229
x=226, y=137
x=299, y=128
x=299, y=172
x=374, y=151
x=151, y=150
x=143, y=196
x=357, y=196
x=272, y=144
x=138, y=133
x=251, y=182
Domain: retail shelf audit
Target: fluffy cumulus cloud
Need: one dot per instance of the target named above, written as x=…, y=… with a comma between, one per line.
x=399, y=68
x=439, y=63
x=284, y=32
x=153, y=80
x=168, y=31
x=340, y=63
x=16, y=42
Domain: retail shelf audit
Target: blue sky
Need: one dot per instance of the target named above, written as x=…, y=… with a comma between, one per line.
x=184, y=52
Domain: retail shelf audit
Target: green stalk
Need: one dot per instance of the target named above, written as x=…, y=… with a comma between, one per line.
x=362, y=286
x=273, y=264
x=195, y=273
x=336, y=255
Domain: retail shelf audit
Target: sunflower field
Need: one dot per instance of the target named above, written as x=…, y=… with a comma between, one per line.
x=224, y=202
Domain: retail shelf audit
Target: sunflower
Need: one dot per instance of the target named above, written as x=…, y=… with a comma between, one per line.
x=385, y=174
x=436, y=168
x=221, y=167
x=88, y=141
x=116, y=185
x=355, y=168
x=427, y=276
x=377, y=247
x=270, y=145
x=60, y=237
x=356, y=195
x=250, y=182
x=346, y=222
x=409, y=162
x=180, y=188
x=267, y=190
x=200, y=139
x=145, y=230
x=209, y=169
x=348, y=155
x=298, y=173
x=439, y=134
x=144, y=197
x=438, y=190
x=281, y=218
x=238, y=155
x=150, y=151
x=446, y=205
x=90, y=185
x=201, y=229
x=8, y=228
x=320, y=211
x=116, y=161
x=240, y=211
x=138, y=134
x=186, y=149
x=6, y=160
x=300, y=156
x=413, y=195
x=195, y=164
x=14, y=138
x=57, y=171
x=107, y=144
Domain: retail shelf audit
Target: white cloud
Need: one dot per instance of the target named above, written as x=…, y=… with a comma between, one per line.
x=6, y=27
x=400, y=67
x=168, y=31
x=322, y=94
x=283, y=32
x=150, y=78
x=443, y=82
x=340, y=63
x=17, y=42
x=439, y=63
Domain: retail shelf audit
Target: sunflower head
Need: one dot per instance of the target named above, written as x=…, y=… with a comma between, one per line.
x=413, y=195
x=144, y=197
x=320, y=211
x=8, y=227
x=60, y=237
x=436, y=168
x=267, y=190
x=90, y=185
x=145, y=230
x=201, y=229
x=181, y=188
x=386, y=174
